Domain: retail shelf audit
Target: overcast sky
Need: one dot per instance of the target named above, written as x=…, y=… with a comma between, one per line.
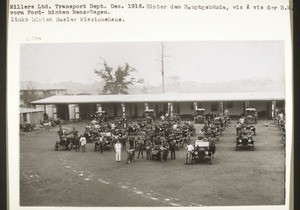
x=203, y=61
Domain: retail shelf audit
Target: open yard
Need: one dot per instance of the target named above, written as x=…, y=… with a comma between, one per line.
x=69, y=178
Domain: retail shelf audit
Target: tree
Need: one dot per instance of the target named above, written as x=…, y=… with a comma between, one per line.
x=29, y=94
x=117, y=80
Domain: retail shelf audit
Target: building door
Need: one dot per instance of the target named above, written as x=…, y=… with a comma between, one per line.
x=63, y=111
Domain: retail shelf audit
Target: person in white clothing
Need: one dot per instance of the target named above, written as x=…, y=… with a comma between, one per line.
x=82, y=143
x=189, y=151
x=118, y=148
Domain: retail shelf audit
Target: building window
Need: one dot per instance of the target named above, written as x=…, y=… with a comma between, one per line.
x=214, y=106
x=229, y=104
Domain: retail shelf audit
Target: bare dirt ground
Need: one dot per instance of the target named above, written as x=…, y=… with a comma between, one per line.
x=69, y=178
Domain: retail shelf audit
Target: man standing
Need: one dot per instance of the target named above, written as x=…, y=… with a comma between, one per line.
x=118, y=148
x=82, y=143
x=140, y=147
x=148, y=146
x=123, y=140
x=101, y=141
x=172, y=149
x=131, y=142
x=189, y=149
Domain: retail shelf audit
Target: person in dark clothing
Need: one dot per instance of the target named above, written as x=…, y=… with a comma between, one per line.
x=140, y=147
x=131, y=142
x=173, y=149
x=148, y=146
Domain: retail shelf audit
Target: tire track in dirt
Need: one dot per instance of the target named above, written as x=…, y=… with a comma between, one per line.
x=149, y=194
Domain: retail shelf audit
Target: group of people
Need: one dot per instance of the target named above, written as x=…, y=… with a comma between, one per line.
x=79, y=141
x=138, y=143
x=142, y=136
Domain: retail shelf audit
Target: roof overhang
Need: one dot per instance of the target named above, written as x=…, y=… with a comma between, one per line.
x=166, y=97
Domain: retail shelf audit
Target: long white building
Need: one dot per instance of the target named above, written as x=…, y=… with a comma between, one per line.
x=75, y=107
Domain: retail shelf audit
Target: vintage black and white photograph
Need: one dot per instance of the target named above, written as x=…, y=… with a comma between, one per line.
x=152, y=124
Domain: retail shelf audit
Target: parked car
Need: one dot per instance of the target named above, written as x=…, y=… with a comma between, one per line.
x=101, y=116
x=159, y=152
x=175, y=118
x=65, y=143
x=203, y=150
x=199, y=115
x=251, y=115
x=150, y=113
x=26, y=127
x=245, y=140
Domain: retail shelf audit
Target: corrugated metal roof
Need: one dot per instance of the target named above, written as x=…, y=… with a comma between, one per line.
x=166, y=97
x=30, y=110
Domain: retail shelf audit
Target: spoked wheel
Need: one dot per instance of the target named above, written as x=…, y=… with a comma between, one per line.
x=70, y=146
x=56, y=147
x=193, y=160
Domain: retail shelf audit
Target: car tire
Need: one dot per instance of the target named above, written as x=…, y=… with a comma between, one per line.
x=70, y=146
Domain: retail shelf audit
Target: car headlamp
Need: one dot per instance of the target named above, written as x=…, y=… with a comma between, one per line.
x=196, y=153
x=249, y=140
x=206, y=152
x=240, y=140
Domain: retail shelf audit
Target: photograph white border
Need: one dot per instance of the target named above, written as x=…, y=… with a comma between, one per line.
x=149, y=26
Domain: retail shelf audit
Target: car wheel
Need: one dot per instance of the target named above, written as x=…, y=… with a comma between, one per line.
x=70, y=146
x=56, y=147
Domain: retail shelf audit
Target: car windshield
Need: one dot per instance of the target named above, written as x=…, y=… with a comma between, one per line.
x=250, y=112
x=101, y=113
x=149, y=112
x=199, y=112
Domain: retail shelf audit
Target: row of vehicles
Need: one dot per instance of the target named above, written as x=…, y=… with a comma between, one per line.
x=168, y=131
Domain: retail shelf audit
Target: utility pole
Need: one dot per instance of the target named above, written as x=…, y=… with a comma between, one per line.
x=162, y=67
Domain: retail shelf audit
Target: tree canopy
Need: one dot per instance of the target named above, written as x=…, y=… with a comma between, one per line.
x=117, y=80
